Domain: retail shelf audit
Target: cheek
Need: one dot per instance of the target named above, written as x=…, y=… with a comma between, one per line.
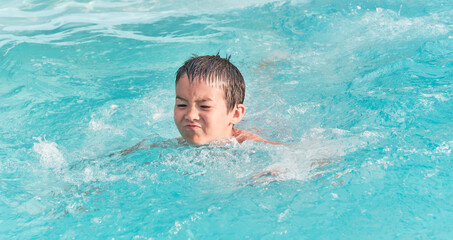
x=213, y=118
x=176, y=114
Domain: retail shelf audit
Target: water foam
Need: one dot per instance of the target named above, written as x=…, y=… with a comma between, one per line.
x=317, y=148
x=50, y=156
x=99, y=124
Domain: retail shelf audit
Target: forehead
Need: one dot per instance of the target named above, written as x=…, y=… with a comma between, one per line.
x=211, y=78
x=198, y=89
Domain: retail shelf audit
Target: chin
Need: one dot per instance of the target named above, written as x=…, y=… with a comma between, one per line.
x=195, y=141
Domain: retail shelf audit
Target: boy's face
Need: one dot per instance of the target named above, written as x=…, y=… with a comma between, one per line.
x=201, y=112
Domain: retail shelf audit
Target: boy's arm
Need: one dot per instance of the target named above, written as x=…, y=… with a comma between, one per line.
x=141, y=145
x=132, y=149
x=242, y=135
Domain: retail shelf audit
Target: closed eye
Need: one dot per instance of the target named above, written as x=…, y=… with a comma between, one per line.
x=181, y=105
x=205, y=107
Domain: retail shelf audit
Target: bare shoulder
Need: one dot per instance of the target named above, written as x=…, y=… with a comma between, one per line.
x=242, y=135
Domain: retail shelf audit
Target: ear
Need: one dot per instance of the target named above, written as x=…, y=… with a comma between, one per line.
x=238, y=113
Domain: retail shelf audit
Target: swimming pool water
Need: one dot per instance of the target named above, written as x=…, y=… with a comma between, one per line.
x=360, y=92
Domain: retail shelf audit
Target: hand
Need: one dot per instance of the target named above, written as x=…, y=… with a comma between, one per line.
x=274, y=172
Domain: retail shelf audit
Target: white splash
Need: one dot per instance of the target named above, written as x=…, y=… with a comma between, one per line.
x=33, y=206
x=443, y=148
x=100, y=125
x=50, y=156
x=319, y=147
x=438, y=96
x=97, y=125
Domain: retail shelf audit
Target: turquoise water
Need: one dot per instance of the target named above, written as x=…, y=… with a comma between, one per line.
x=360, y=92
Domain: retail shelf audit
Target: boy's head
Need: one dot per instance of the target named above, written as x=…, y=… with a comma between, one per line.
x=209, y=99
x=215, y=71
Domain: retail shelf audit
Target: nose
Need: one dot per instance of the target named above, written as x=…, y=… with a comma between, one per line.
x=192, y=114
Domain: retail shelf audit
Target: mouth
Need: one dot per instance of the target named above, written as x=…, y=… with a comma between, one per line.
x=192, y=126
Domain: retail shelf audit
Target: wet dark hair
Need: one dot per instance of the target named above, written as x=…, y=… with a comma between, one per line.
x=216, y=71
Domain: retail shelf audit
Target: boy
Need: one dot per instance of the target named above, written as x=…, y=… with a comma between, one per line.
x=210, y=93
